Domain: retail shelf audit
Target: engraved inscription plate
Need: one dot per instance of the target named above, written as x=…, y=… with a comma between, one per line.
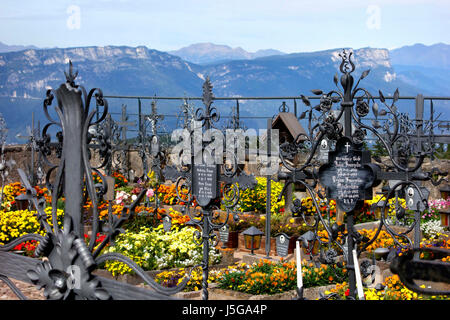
x=205, y=179
x=224, y=233
x=282, y=244
x=346, y=176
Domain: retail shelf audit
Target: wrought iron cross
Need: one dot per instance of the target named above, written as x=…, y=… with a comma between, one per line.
x=124, y=123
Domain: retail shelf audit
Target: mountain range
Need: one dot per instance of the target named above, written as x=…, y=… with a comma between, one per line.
x=209, y=53
x=11, y=48
x=25, y=75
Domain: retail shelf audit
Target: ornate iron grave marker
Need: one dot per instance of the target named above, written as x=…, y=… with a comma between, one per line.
x=208, y=183
x=347, y=176
x=63, y=264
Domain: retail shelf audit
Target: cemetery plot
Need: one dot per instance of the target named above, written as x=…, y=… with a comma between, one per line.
x=179, y=231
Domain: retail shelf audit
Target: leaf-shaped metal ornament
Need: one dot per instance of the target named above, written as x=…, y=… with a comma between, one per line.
x=382, y=112
x=317, y=92
x=305, y=100
x=382, y=99
x=302, y=115
x=336, y=79
x=396, y=96
x=364, y=74
x=375, y=109
x=394, y=109
x=376, y=124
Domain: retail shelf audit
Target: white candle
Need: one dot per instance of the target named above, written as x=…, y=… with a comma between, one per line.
x=299, y=266
x=359, y=285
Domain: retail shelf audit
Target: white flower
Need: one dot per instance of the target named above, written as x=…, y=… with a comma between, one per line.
x=432, y=229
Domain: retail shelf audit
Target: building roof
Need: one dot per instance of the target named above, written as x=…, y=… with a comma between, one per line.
x=288, y=120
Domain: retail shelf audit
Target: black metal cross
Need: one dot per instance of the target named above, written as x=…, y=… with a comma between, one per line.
x=124, y=123
x=204, y=182
x=349, y=181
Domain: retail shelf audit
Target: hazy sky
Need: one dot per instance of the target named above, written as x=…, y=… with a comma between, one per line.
x=286, y=25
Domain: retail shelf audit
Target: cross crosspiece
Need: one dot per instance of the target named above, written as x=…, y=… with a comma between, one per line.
x=154, y=118
x=205, y=180
x=444, y=126
x=124, y=123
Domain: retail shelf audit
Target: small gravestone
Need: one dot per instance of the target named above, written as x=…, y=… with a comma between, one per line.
x=167, y=223
x=224, y=234
x=324, y=148
x=282, y=244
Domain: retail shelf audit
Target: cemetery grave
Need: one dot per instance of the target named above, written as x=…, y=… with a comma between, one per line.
x=316, y=215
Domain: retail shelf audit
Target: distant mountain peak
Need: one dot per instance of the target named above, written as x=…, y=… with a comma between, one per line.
x=209, y=53
x=432, y=56
x=12, y=48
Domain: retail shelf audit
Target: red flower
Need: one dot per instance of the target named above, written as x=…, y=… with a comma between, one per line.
x=347, y=292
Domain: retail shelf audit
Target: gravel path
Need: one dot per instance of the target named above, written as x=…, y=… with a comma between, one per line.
x=29, y=290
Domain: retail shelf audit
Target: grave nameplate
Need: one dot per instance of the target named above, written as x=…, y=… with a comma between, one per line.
x=282, y=244
x=414, y=200
x=347, y=177
x=167, y=223
x=224, y=233
x=205, y=179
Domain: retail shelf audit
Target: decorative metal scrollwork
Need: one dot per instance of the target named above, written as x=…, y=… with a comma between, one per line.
x=395, y=132
x=64, y=249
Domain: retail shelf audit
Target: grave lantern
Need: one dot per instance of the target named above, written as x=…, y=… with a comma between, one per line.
x=378, y=208
x=445, y=213
x=22, y=202
x=252, y=238
x=309, y=242
x=445, y=191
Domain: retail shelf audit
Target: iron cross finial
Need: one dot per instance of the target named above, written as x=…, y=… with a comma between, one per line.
x=207, y=92
x=70, y=77
x=347, y=65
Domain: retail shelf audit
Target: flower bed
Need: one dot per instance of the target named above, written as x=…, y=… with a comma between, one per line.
x=154, y=249
x=175, y=277
x=393, y=290
x=268, y=277
x=14, y=224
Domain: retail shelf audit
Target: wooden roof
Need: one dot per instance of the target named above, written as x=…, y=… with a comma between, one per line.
x=288, y=120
